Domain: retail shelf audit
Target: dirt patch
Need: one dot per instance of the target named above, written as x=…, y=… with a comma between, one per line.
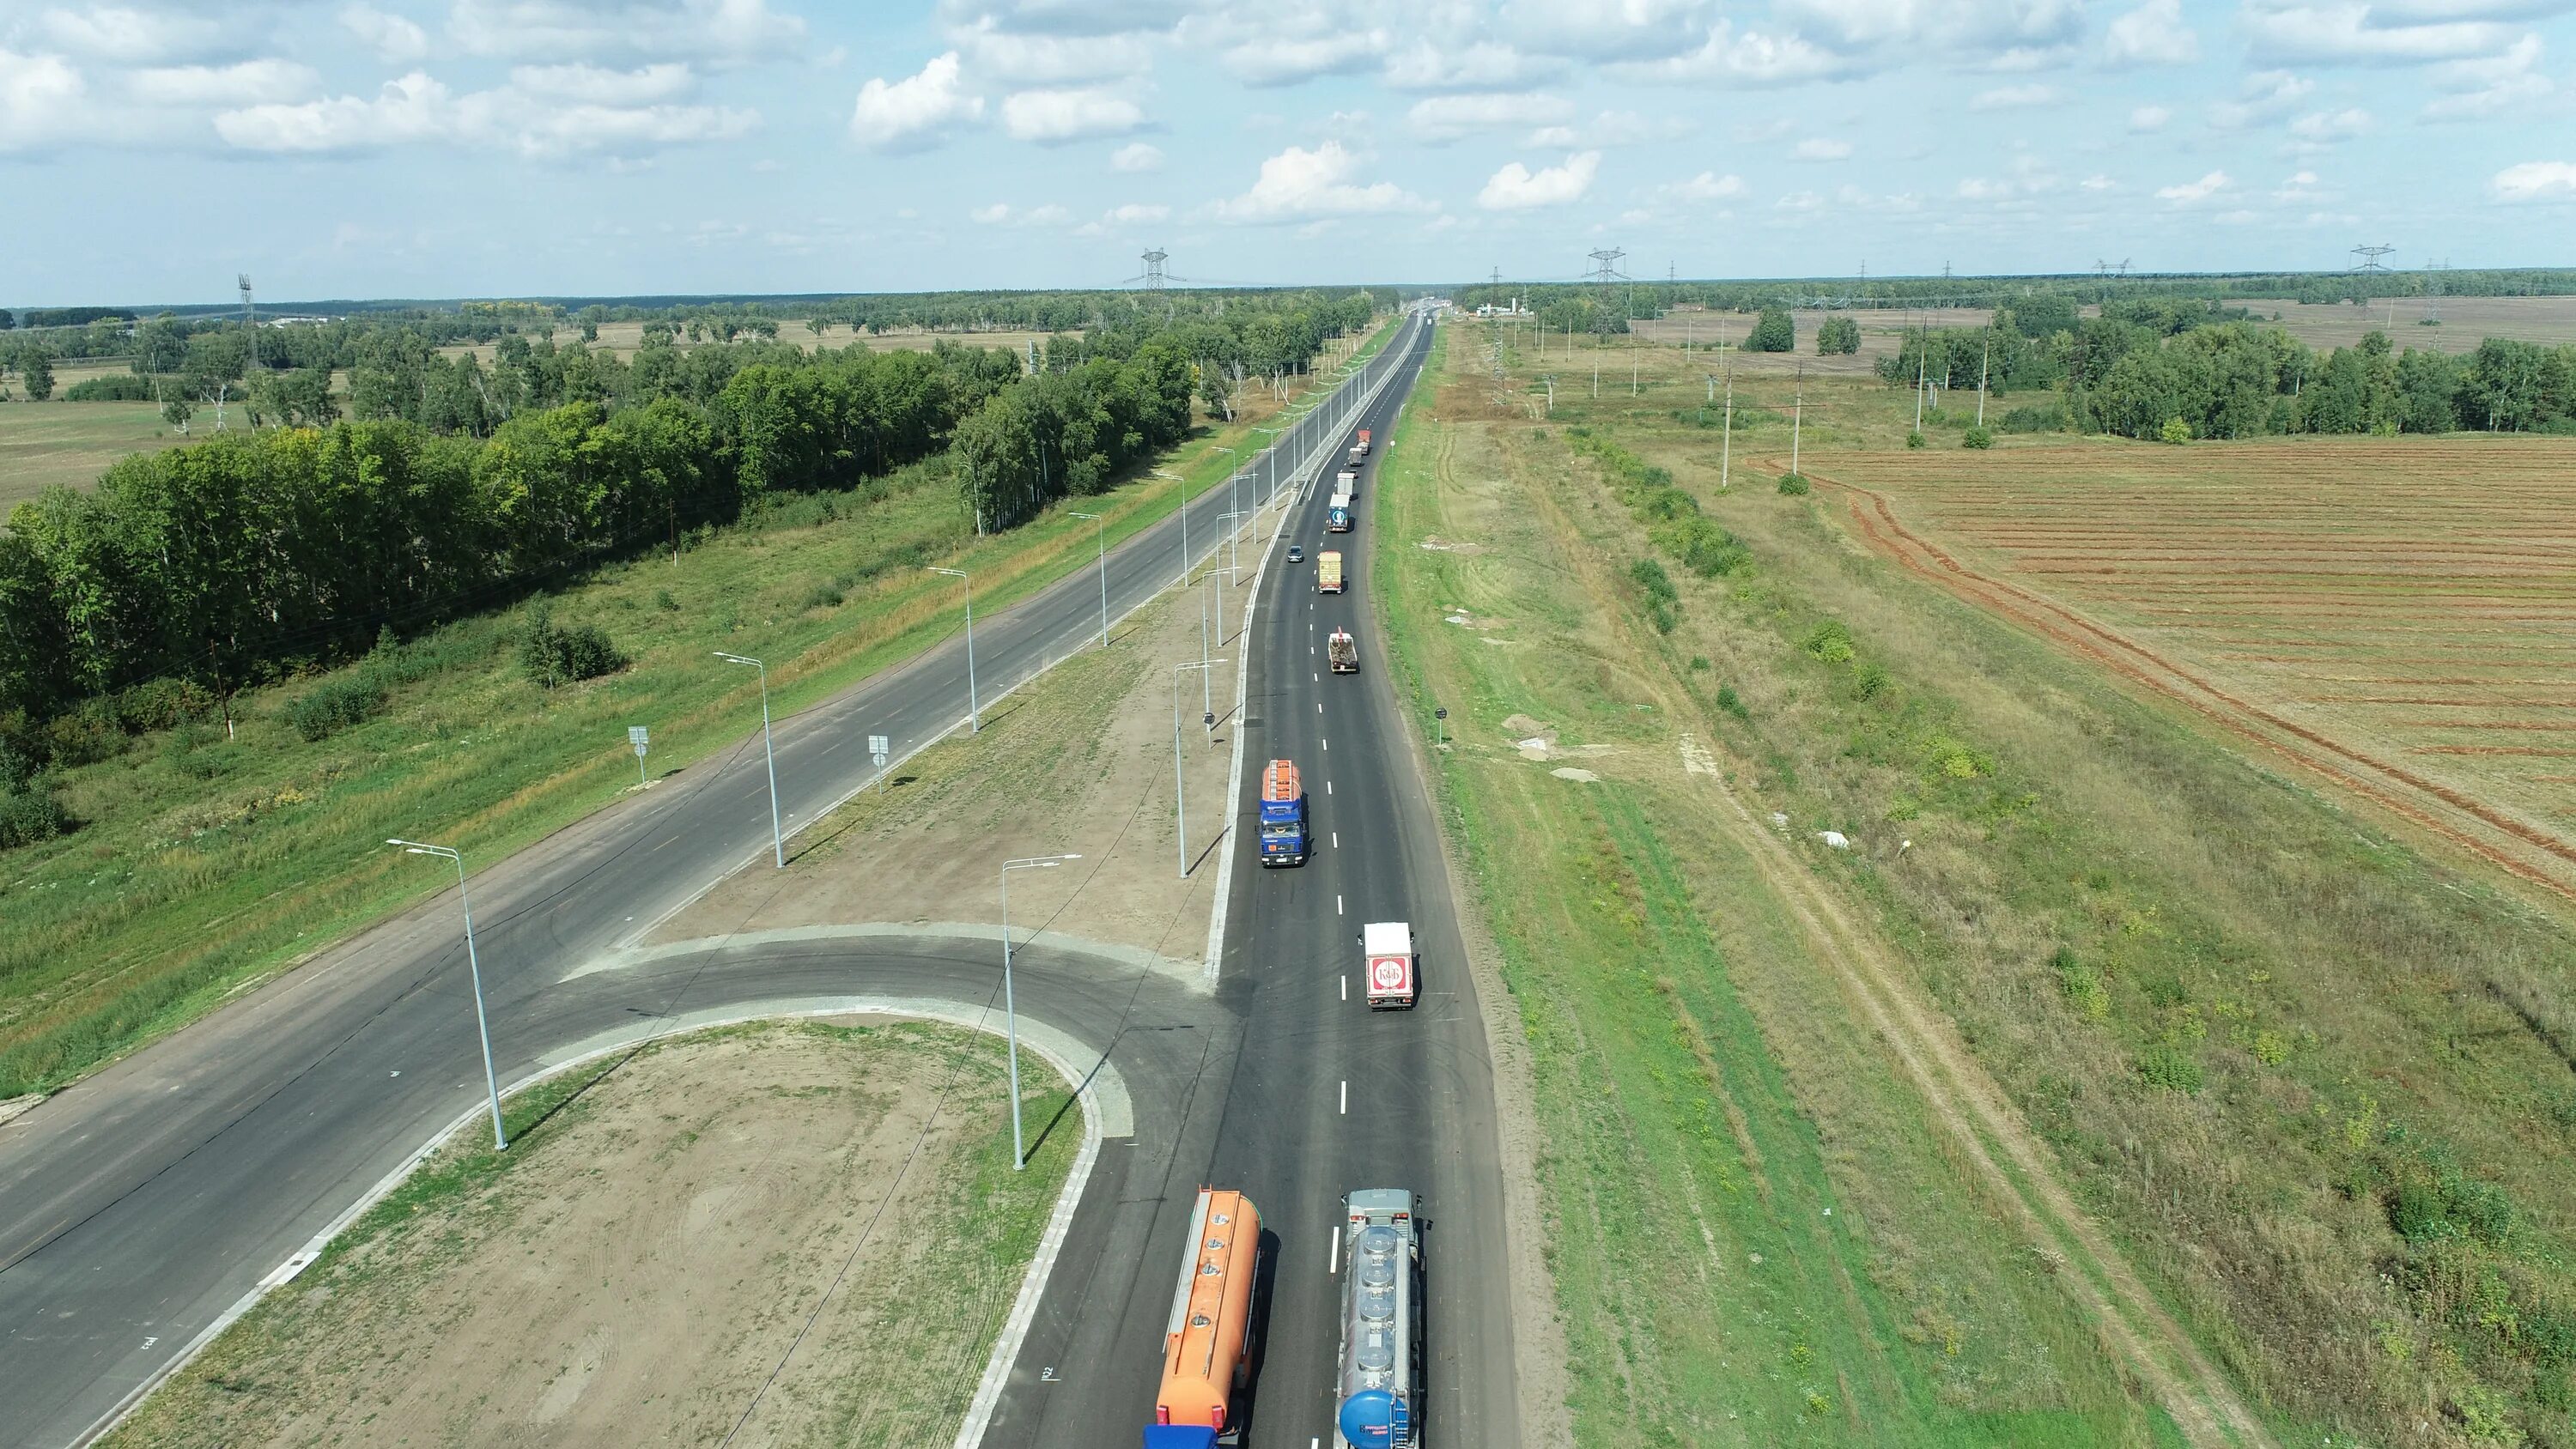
x=1079, y=762
x=808, y=1233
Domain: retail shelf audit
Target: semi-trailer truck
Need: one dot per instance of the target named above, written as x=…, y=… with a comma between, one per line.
x=1204, y=1349
x=1284, y=837
x=1343, y=651
x=1387, y=947
x=1380, y=1383
x=1337, y=518
x=1347, y=483
x=1328, y=572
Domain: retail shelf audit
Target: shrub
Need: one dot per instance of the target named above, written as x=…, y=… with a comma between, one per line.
x=1702, y=546
x=1795, y=485
x=1775, y=332
x=1650, y=576
x=1699, y=664
x=115, y=387
x=823, y=596
x=1837, y=335
x=1914, y=440
x=16, y=769
x=2042, y=418
x=2083, y=986
x=1731, y=702
x=335, y=705
x=2175, y=430
x=2170, y=1068
x=662, y=600
x=1830, y=642
x=84, y=736
x=27, y=816
x=1977, y=436
x=553, y=655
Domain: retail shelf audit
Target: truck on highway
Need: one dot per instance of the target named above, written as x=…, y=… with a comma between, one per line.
x=1337, y=512
x=1380, y=1383
x=1347, y=482
x=1205, y=1354
x=1284, y=837
x=1342, y=651
x=1358, y=451
x=1328, y=572
x=1364, y=440
x=1387, y=948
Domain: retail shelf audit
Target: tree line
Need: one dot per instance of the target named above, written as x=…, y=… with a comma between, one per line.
x=254, y=554
x=1643, y=299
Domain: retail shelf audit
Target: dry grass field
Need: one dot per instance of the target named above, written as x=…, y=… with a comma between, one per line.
x=622, y=338
x=2394, y=615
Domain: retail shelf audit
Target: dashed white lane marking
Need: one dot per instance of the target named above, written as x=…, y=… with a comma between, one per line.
x=1328, y=787
x=1346, y=1096
x=1335, y=1266
x=1319, y=706
x=1328, y=744
x=1337, y=905
x=1346, y=988
x=1337, y=840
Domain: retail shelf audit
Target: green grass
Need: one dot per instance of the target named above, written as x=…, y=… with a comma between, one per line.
x=206, y=862
x=1755, y=1234
x=897, y=1355
x=42, y=444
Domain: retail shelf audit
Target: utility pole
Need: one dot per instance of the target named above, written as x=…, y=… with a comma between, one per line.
x=1922, y=357
x=1797, y=416
x=1726, y=444
x=1982, y=359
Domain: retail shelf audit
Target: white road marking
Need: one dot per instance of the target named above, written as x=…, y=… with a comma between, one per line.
x=1346, y=988
x=1335, y=1267
x=1328, y=787
x=1337, y=840
x=1328, y=744
x=1319, y=706
x=1346, y=1096
x=1337, y=906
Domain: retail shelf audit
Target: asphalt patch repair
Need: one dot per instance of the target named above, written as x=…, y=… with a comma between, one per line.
x=791, y=1232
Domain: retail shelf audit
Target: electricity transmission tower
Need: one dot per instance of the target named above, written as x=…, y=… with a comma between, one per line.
x=1154, y=276
x=2369, y=258
x=1605, y=267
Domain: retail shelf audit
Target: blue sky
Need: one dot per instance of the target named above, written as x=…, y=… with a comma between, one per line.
x=496, y=147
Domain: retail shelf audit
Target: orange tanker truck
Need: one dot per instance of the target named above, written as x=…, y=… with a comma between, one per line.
x=1204, y=1348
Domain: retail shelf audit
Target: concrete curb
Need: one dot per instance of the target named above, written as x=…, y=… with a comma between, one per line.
x=1104, y=1094
x=627, y=958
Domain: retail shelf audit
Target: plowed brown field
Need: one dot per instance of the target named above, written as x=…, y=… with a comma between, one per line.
x=2396, y=617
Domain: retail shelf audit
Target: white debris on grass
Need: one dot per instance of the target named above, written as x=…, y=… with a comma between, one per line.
x=1696, y=759
x=1779, y=821
x=1568, y=772
x=1834, y=839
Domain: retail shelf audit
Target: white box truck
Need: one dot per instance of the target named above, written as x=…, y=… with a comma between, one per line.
x=1392, y=973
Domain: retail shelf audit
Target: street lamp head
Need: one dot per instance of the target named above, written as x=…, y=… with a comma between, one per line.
x=1094, y=517
x=737, y=658
x=952, y=573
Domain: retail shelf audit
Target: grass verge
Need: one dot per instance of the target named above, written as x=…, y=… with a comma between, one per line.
x=659, y=1311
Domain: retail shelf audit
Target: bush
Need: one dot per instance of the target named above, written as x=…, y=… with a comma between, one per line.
x=1977, y=436
x=1830, y=642
x=1837, y=335
x=553, y=655
x=1775, y=332
x=2170, y=1068
x=1731, y=702
x=2041, y=418
x=1704, y=548
x=2175, y=430
x=1795, y=485
x=1914, y=440
x=662, y=600
x=335, y=705
x=16, y=769
x=27, y=816
x=115, y=387
x=823, y=596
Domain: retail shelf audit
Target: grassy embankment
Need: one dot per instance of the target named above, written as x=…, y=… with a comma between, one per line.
x=392, y=1336
x=206, y=863
x=1757, y=1237
x=2317, y=1085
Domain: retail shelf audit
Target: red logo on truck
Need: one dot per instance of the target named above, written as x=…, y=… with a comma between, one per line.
x=1389, y=973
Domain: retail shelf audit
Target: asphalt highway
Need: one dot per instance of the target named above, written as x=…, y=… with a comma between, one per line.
x=138, y=1206
x=1325, y=1096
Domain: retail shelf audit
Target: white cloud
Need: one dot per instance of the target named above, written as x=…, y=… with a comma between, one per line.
x=1748, y=58
x=2350, y=32
x=2189, y=192
x=914, y=112
x=1706, y=186
x=119, y=33
x=1821, y=148
x=1778, y=129
x=2149, y=118
x=2263, y=96
x=993, y=215
x=2488, y=86
x=2099, y=183
x=1002, y=213
x=2299, y=188
x=1136, y=156
x=1621, y=30
x=1517, y=188
x=2325, y=128
x=1272, y=61
x=1611, y=128
x=1052, y=118
x=2152, y=34
x=601, y=87
x=395, y=40
x=2537, y=181
x=1968, y=26
x=1799, y=201
x=1040, y=59
x=247, y=83
x=2006, y=98
x=39, y=95
x=1133, y=213
x=1482, y=66
x=1301, y=185
x=1446, y=118
x=708, y=32
x=418, y=109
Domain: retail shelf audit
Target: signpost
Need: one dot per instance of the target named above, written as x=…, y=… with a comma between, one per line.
x=635, y=736
x=877, y=751
x=1440, y=727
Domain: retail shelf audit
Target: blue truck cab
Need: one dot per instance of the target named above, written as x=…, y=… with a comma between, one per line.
x=1285, y=838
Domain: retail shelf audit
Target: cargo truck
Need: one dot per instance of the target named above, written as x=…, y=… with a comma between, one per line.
x=1284, y=837
x=1357, y=453
x=1387, y=947
x=1343, y=651
x=1364, y=440
x=1328, y=572
x=1204, y=1349
x=1347, y=483
x=1337, y=518
x=1380, y=1383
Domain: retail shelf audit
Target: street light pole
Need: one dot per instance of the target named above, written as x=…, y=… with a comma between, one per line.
x=1010, y=1007
x=777, y=837
x=474, y=966
x=1180, y=810
x=1100, y=531
x=974, y=708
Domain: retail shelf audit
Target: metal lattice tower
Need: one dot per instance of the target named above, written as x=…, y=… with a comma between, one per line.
x=1605, y=267
x=250, y=318
x=1154, y=260
x=2369, y=258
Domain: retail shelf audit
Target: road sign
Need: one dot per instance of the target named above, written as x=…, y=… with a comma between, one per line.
x=878, y=749
x=635, y=736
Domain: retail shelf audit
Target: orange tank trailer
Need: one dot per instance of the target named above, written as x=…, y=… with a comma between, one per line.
x=1204, y=1346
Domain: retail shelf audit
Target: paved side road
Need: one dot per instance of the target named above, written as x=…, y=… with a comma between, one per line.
x=139, y=1205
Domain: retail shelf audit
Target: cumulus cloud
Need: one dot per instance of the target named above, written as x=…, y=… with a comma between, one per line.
x=2264, y=96
x=1853, y=26
x=1136, y=156
x=1302, y=185
x=2152, y=34
x=1053, y=118
x=1821, y=148
x=1629, y=30
x=1446, y=118
x=2537, y=181
x=1044, y=59
x=2488, y=86
x=1706, y=186
x=1272, y=61
x=915, y=112
x=417, y=109
x=2007, y=98
x=1002, y=213
x=39, y=94
x=598, y=86
x=1517, y=188
x=2189, y=192
x=709, y=31
x=2325, y=128
x=131, y=36
x=2149, y=118
x=1745, y=58
x=247, y=83
x=1610, y=128
x=395, y=40
x=1483, y=66
x=2351, y=32
x=1134, y=212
